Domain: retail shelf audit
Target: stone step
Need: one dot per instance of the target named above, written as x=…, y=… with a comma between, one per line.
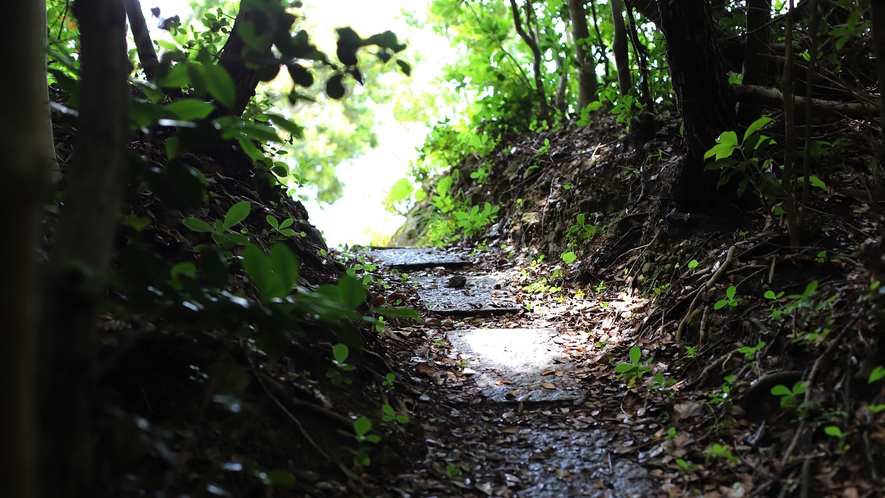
x=516, y=365
x=478, y=295
x=411, y=259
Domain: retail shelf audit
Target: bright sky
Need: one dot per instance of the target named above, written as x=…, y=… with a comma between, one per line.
x=360, y=213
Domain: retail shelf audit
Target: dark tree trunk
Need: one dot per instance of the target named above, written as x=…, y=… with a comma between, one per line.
x=81, y=254
x=703, y=96
x=619, y=47
x=878, y=15
x=543, y=111
x=143, y=44
x=587, y=84
x=755, y=68
x=24, y=173
x=245, y=78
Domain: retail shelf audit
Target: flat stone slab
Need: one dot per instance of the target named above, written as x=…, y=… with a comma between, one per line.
x=406, y=258
x=515, y=365
x=482, y=295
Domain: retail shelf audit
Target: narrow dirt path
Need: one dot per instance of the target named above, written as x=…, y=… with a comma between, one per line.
x=503, y=394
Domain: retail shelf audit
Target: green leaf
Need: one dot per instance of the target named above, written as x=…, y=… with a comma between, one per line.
x=250, y=149
x=340, y=352
x=635, y=354
x=257, y=267
x=219, y=84
x=623, y=367
x=721, y=151
x=190, y=109
x=285, y=267
x=335, y=87
x=720, y=304
x=350, y=292
x=568, y=257
x=137, y=222
x=404, y=67
x=237, y=213
x=878, y=373
x=756, y=126
x=272, y=221
x=197, y=225
x=285, y=124
x=834, y=431
x=781, y=390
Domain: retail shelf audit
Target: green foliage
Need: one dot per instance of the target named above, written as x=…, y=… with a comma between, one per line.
x=389, y=415
x=634, y=370
x=750, y=352
x=581, y=230
x=877, y=374
x=338, y=375
x=789, y=396
x=220, y=230
x=568, y=257
x=363, y=437
x=720, y=451
x=730, y=300
x=281, y=230
x=473, y=222
x=752, y=163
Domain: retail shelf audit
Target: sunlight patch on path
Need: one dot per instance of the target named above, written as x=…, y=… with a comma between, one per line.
x=515, y=365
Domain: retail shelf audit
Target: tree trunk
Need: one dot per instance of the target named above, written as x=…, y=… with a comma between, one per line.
x=703, y=96
x=755, y=67
x=543, y=111
x=143, y=44
x=245, y=78
x=81, y=253
x=878, y=15
x=587, y=84
x=24, y=174
x=619, y=47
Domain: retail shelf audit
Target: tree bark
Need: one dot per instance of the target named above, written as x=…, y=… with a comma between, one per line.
x=543, y=111
x=619, y=47
x=143, y=44
x=81, y=253
x=587, y=84
x=231, y=59
x=878, y=14
x=773, y=97
x=703, y=96
x=24, y=174
x=755, y=67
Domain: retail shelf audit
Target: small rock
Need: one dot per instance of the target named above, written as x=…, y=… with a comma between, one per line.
x=457, y=282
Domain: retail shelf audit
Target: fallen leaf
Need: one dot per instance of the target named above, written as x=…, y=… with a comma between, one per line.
x=547, y=385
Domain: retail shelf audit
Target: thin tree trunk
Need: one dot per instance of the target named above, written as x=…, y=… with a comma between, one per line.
x=543, y=112
x=81, y=253
x=143, y=44
x=809, y=93
x=703, y=96
x=790, y=140
x=878, y=14
x=645, y=123
x=587, y=84
x=619, y=47
x=24, y=173
x=755, y=67
x=600, y=45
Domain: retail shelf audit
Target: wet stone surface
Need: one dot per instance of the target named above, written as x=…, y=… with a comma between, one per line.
x=480, y=295
x=411, y=259
x=569, y=463
x=516, y=365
